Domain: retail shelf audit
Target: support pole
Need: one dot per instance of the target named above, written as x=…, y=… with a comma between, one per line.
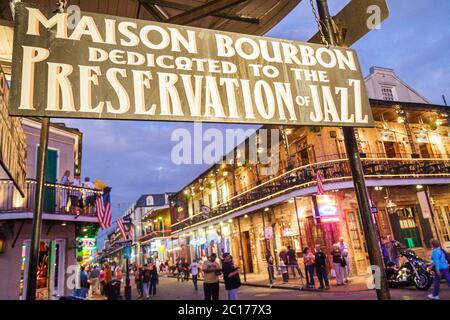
x=362, y=196
x=242, y=249
x=127, y=278
x=37, y=213
x=298, y=223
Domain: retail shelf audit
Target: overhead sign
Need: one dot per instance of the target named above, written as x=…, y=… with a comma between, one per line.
x=13, y=143
x=104, y=67
x=358, y=18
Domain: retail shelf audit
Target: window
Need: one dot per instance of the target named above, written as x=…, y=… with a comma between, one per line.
x=149, y=201
x=387, y=93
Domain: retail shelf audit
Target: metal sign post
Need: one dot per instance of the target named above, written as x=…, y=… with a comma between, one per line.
x=362, y=196
x=37, y=214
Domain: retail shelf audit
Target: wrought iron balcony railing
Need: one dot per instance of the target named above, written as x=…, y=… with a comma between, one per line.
x=155, y=234
x=332, y=170
x=58, y=199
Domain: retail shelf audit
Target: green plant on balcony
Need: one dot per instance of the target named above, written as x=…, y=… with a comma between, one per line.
x=187, y=197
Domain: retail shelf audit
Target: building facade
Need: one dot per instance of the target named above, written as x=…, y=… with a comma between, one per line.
x=233, y=207
x=65, y=230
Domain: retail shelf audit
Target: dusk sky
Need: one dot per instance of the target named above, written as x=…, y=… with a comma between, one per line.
x=134, y=157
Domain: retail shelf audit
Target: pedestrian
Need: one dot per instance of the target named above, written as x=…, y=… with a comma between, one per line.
x=185, y=269
x=441, y=260
x=94, y=279
x=320, y=263
x=384, y=250
x=146, y=275
x=194, y=272
x=108, y=279
x=338, y=263
x=230, y=276
x=153, y=279
x=344, y=251
x=284, y=271
x=84, y=283
x=308, y=260
x=90, y=196
x=392, y=247
x=65, y=193
x=292, y=262
x=211, y=270
x=270, y=267
x=284, y=258
x=101, y=278
x=138, y=280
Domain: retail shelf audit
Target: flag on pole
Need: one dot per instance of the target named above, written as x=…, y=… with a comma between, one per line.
x=127, y=230
x=319, y=178
x=103, y=208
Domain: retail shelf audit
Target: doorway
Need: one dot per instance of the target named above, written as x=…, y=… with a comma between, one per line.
x=392, y=149
x=247, y=251
x=426, y=151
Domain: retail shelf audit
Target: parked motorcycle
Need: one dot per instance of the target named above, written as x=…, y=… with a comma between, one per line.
x=414, y=271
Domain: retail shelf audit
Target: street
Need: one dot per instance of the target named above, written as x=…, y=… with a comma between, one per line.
x=170, y=289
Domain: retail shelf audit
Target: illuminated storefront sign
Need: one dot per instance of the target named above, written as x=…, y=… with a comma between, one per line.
x=327, y=208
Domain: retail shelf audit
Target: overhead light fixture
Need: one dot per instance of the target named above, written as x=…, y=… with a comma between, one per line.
x=266, y=209
x=419, y=186
x=85, y=229
x=230, y=220
x=391, y=206
x=64, y=224
x=246, y=216
x=291, y=201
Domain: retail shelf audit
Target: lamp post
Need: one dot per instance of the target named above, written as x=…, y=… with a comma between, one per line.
x=362, y=196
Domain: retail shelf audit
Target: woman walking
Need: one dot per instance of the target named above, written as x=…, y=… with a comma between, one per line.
x=308, y=259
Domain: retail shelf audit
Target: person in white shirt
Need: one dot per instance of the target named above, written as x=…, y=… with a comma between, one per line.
x=344, y=250
x=194, y=272
x=90, y=196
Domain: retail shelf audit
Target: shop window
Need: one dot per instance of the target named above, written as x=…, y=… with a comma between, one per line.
x=392, y=149
x=443, y=222
x=409, y=231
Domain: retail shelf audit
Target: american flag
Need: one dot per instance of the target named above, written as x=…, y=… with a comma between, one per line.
x=103, y=208
x=319, y=178
x=127, y=233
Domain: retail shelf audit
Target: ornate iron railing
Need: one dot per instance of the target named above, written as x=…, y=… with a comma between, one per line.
x=58, y=199
x=332, y=170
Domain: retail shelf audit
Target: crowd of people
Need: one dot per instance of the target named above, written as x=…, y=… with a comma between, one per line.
x=98, y=280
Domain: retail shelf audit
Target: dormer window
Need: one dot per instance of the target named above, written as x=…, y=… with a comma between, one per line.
x=388, y=93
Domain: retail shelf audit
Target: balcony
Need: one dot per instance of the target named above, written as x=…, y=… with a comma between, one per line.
x=333, y=171
x=57, y=201
x=155, y=234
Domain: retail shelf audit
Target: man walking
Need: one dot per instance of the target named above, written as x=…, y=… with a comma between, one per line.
x=440, y=260
x=211, y=269
x=230, y=276
x=94, y=278
x=320, y=261
x=292, y=262
x=194, y=272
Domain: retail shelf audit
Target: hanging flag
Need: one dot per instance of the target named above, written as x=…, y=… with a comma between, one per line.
x=319, y=178
x=103, y=209
x=126, y=229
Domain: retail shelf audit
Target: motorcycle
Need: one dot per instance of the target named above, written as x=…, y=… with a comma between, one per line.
x=414, y=271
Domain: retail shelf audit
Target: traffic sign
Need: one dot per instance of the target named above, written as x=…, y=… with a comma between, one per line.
x=358, y=18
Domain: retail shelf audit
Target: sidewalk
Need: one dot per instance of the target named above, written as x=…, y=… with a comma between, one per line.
x=356, y=283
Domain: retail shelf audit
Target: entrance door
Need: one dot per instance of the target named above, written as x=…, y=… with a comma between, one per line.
x=407, y=229
x=247, y=251
x=50, y=274
x=357, y=241
x=443, y=223
x=50, y=176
